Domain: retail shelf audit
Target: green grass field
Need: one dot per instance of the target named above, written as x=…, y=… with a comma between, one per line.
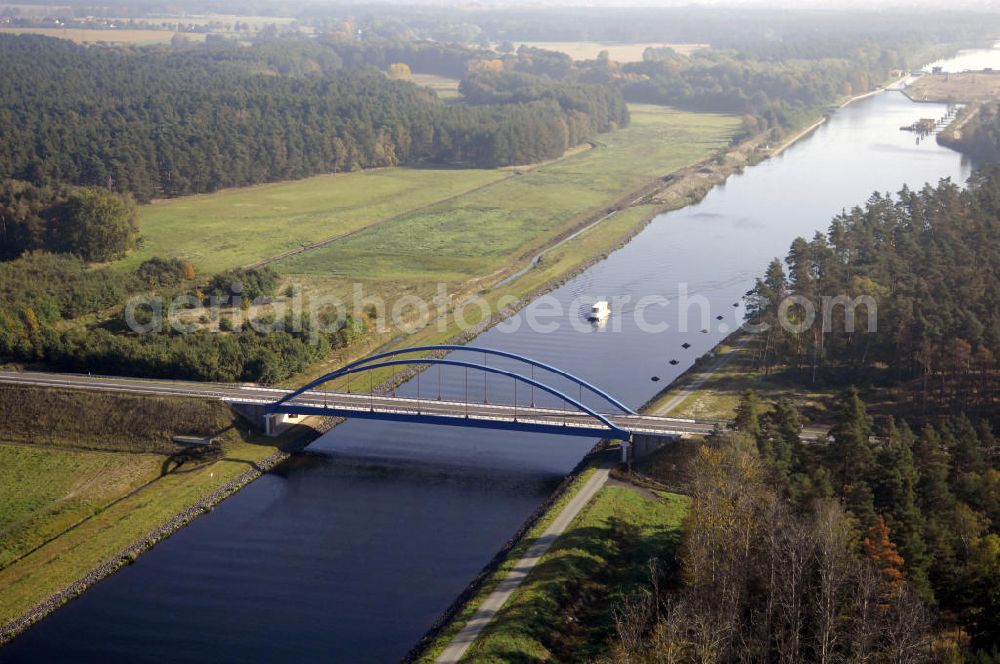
x=47, y=489
x=446, y=88
x=236, y=227
x=563, y=610
x=43, y=491
x=443, y=223
x=481, y=232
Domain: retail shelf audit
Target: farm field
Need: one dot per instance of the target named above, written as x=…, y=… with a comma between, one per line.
x=85, y=36
x=616, y=52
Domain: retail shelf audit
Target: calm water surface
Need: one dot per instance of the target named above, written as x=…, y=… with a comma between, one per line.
x=970, y=58
x=351, y=551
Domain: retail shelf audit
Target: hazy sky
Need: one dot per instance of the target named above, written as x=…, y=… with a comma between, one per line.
x=972, y=5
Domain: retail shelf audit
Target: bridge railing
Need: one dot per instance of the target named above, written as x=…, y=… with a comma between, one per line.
x=381, y=361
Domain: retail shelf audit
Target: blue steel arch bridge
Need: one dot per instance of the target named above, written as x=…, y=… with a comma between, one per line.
x=541, y=402
x=545, y=399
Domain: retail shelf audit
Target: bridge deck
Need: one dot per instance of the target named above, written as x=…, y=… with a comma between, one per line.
x=407, y=409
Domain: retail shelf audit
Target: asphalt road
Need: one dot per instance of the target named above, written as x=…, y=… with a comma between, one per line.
x=339, y=403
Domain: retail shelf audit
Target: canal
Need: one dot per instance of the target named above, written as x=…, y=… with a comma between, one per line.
x=350, y=551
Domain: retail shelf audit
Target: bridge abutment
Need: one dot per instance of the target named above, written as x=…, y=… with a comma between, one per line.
x=271, y=424
x=642, y=445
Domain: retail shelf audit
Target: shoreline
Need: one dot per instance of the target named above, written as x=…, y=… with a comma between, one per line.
x=686, y=182
x=816, y=125
x=546, y=512
x=13, y=628
x=425, y=645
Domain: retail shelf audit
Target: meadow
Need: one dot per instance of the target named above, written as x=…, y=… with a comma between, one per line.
x=423, y=223
x=446, y=88
x=485, y=231
x=44, y=491
x=236, y=227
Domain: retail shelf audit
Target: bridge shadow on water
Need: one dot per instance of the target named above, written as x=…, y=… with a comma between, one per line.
x=417, y=471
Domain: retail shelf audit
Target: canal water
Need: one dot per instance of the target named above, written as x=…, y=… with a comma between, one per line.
x=970, y=59
x=350, y=551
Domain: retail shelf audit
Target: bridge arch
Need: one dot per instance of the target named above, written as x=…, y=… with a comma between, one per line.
x=379, y=361
x=583, y=384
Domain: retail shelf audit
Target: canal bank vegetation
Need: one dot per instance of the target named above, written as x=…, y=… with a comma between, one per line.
x=113, y=422
x=608, y=543
x=89, y=480
x=465, y=607
x=976, y=131
x=774, y=579
x=906, y=461
x=565, y=609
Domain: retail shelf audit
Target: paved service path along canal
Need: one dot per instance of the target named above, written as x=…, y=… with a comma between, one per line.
x=492, y=604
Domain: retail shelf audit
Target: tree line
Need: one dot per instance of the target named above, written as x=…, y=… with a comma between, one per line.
x=90, y=222
x=42, y=294
x=929, y=261
x=155, y=122
x=871, y=544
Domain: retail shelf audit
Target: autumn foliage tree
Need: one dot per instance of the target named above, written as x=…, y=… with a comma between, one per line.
x=399, y=71
x=882, y=552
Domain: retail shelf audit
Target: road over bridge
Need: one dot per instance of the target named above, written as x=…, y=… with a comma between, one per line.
x=574, y=417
